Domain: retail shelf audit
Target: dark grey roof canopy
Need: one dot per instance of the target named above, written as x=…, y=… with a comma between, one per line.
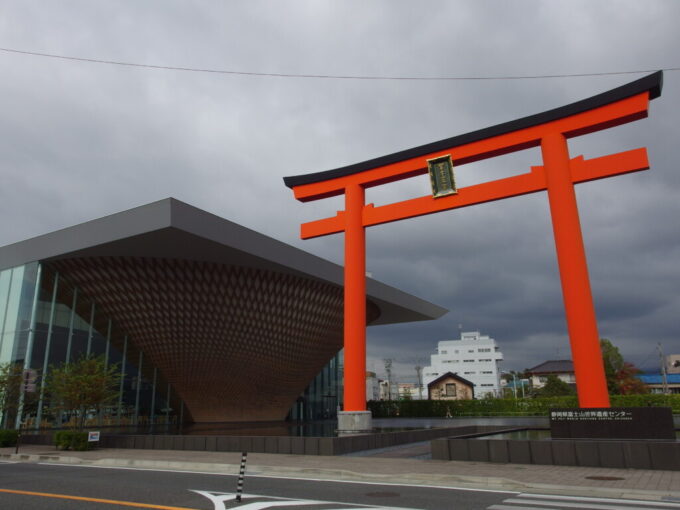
x=172, y=229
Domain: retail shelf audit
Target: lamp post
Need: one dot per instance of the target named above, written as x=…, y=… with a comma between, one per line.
x=514, y=383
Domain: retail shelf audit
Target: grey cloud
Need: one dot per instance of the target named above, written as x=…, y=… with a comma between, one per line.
x=79, y=141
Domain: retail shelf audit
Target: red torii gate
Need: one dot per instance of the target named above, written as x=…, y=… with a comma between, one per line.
x=559, y=173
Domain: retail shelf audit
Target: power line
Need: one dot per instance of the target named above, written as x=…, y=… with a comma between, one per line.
x=641, y=365
x=331, y=76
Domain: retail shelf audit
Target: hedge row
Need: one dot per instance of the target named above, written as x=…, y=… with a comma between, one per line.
x=71, y=439
x=8, y=437
x=505, y=406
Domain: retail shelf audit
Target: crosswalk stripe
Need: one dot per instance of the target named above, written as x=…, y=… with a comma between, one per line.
x=552, y=502
x=567, y=504
x=648, y=504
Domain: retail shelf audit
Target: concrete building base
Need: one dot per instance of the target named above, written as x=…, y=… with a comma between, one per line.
x=610, y=453
x=295, y=445
x=354, y=422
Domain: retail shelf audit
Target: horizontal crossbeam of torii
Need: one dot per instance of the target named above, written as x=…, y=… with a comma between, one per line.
x=549, y=130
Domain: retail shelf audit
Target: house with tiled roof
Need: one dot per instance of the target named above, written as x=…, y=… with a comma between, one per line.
x=563, y=369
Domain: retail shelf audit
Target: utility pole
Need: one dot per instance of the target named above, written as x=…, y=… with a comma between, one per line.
x=419, y=373
x=388, y=370
x=664, y=377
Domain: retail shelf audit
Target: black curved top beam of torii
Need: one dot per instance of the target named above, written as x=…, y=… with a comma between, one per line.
x=651, y=83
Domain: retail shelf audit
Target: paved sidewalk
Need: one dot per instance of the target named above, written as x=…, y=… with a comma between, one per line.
x=385, y=467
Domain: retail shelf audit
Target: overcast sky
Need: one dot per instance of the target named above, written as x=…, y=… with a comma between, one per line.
x=82, y=140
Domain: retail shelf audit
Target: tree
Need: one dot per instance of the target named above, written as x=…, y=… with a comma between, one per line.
x=627, y=381
x=83, y=387
x=10, y=389
x=11, y=378
x=555, y=387
x=620, y=374
x=613, y=362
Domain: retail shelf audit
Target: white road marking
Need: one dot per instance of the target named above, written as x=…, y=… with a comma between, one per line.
x=447, y=487
x=507, y=507
x=219, y=499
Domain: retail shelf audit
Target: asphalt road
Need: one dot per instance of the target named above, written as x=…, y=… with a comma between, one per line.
x=49, y=486
x=211, y=491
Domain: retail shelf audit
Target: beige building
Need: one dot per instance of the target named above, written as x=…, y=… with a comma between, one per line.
x=450, y=386
x=408, y=391
x=672, y=362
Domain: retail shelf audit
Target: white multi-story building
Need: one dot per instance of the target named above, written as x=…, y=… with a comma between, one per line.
x=372, y=387
x=474, y=357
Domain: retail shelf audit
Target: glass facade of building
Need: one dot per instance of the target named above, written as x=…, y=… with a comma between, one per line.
x=17, y=289
x=322, y=397
x=45, y=321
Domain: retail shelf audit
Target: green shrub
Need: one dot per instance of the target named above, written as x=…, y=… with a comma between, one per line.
x=67, y=439
x=505, y=406
x=8, y=437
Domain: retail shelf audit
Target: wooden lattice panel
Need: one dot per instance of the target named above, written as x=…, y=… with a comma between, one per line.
x=236, y=343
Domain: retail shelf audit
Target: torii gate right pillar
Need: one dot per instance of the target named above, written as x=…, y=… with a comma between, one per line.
x=571, y=258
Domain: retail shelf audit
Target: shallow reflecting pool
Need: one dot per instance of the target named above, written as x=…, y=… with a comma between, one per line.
x=532, y=434
x=325, y=428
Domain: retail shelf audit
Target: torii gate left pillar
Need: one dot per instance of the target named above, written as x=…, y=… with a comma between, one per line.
x=355, y=417
x=549, y=130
